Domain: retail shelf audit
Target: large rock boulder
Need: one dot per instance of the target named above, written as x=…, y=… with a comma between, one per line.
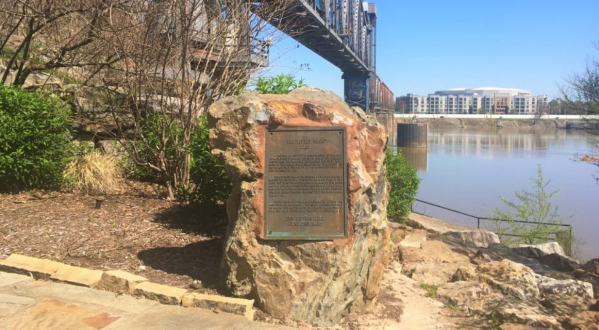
x=435, y=273
x=559, y=262
x=311, y=281
x=508, y=277
x=539, y=250
x=478, y=237
x=566, y=287
x=461, y=293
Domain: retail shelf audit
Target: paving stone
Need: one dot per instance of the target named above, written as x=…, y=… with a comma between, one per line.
x=167, y=295
x=38, y=268
x=119, y=281
x=108, y=301
x=77, y=276
x=513, y=326
x=56, y=314
x=10, y=279
x=16, y=300
x=53, y=305
x=225, y=304
x=162, y=317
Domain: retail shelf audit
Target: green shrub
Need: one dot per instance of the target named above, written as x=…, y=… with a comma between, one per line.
x=34, y=139
x=210, y=181
x=404, y=186
x=144, y=153
x=535, y=208
x=281, y=84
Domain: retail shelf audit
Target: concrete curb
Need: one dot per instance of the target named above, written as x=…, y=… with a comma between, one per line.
x=122, y=282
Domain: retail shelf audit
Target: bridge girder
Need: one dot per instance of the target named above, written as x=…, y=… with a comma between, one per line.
x=341, y=31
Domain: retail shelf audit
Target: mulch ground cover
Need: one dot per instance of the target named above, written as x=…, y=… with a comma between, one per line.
x=140, y=233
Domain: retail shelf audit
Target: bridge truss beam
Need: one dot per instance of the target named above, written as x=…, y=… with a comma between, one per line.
x=341, y=31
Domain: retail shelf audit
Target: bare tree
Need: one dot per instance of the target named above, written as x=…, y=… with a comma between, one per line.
x=580, y=95
x=581, y=92
x=178, y=59
x=46, y=35
x=157, y=64
x=540, y=111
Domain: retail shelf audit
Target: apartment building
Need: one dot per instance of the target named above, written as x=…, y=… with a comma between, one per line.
x=483, y=100
x=416, y=103
x=502, y=103
x=527, y=105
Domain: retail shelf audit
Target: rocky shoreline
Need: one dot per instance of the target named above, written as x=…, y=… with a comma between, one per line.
x=469, y=270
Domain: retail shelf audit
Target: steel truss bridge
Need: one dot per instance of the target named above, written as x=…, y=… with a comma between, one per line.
x=344, y=33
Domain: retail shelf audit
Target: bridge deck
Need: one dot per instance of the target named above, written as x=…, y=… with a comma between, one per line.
x=317, y=35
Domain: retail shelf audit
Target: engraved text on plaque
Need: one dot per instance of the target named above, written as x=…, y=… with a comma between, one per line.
x=305, y=184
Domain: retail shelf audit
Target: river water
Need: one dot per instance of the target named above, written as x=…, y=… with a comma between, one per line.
x=468, y=169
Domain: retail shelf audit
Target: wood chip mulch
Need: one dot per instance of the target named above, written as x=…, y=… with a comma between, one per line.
x=163, y=241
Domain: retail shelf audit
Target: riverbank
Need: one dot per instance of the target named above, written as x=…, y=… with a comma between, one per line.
x=495, y=123
x=469, y=271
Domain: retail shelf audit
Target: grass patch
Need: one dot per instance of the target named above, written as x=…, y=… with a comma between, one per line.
x=431, y=290
x=94, y=173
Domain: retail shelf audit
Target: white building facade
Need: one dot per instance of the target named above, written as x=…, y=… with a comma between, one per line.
x=483, y=100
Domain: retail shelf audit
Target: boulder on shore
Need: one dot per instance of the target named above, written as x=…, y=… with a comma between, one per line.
x=317, y=282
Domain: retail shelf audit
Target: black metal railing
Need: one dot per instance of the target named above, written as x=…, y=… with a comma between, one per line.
x=479, y=218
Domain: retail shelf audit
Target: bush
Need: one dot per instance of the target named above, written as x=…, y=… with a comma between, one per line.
x=404, y=186
x=150, y=130
x=94, y=173
x=34, y=139
x=281, y=84
x=535, y=208
x=209, y=182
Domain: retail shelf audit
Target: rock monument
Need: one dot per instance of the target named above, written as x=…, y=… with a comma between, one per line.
x=307, y=235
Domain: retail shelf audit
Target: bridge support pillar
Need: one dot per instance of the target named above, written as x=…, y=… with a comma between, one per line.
x=356, y=90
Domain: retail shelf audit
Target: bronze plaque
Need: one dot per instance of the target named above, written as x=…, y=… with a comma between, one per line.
x=306, y=184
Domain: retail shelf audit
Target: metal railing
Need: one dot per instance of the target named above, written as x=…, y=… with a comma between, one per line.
x=478, y=219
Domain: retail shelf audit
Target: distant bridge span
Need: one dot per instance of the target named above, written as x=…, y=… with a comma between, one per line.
x=344, y=33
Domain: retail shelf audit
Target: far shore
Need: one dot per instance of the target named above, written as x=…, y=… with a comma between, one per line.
x=471, y=121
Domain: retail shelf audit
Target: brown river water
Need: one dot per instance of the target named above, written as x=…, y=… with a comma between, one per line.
x=467, y=169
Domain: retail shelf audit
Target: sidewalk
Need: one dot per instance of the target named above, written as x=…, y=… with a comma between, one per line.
x=40, y=305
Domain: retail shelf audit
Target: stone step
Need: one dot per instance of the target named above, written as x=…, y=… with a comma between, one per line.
x=122, y=282
x=229, y=305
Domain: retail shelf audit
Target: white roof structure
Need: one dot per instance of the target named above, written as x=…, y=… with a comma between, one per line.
x=484, y=91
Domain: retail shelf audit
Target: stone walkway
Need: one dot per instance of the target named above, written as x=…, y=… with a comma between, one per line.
x=29, y=304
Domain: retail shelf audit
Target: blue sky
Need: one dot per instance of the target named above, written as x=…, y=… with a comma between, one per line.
x=430, y=45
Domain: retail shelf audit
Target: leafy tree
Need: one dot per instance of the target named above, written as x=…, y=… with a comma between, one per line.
x=281, y=84
x=555, y=107
x=535, y=208
x=404, y=185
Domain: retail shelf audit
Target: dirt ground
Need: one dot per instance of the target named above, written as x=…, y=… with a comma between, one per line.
x=176, y=245
x=138, y=232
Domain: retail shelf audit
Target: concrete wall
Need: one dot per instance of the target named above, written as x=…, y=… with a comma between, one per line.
x=387, y=120
x=570, y=117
